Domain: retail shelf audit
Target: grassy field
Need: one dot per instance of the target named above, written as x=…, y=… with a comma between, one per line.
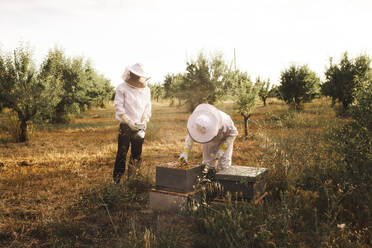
x=56, y=190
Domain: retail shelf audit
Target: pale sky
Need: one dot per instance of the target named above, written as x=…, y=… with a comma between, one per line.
x=268, y=35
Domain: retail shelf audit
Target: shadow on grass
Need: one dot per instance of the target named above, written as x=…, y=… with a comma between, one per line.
x=99, y=218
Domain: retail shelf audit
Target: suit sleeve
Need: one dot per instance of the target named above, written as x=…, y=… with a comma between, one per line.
x=147, y=113
x=232, y=130
x=119, y=101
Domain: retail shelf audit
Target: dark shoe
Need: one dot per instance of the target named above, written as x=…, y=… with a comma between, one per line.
x=117, y=179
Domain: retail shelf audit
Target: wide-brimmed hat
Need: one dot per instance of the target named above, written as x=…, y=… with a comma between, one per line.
x=138, y=69
x=203, y=124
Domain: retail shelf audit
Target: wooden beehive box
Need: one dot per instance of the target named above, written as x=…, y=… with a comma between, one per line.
x=243, y=181
x=177, y=179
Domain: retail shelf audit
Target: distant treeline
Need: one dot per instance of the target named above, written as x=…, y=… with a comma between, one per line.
x=64, y=86
x=60, y=88
x=210, y=79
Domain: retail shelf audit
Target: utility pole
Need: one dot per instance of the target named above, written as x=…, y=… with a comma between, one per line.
x=234, y=60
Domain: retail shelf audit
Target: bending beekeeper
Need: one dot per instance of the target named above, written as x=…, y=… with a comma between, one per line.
x=133, y=110
x=216, y=131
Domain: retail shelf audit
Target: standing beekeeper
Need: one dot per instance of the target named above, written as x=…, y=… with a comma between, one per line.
x=216, y=131
x=133, y=110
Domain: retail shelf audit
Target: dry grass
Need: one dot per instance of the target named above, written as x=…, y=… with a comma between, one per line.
x=53, y=189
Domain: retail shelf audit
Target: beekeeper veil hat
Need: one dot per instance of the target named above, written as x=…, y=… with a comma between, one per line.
x=137, y=69
x=203, y=124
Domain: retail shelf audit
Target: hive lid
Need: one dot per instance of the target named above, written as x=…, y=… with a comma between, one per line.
x=241, y=173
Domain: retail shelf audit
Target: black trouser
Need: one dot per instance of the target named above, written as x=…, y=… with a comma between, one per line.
x=125, y=139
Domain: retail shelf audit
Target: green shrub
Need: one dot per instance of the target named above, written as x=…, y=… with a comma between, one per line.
x=233, y=225
x=352, y=144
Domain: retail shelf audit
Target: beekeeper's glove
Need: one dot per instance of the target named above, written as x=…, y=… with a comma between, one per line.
x=186, y=149
x=141, y=126
x=140, y=134
x=225, y=145
x=184, y=157
x=126, y=120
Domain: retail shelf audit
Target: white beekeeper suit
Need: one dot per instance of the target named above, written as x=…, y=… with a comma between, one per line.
x=133, y=110
x=216, y=131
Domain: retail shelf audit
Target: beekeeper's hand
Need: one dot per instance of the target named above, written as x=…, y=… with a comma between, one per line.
x=126, y=120
x=225, y=145
x=186, y=149
x=184, y=158
x=144, y=120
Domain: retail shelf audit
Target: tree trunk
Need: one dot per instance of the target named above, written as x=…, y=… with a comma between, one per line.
x=264, y=101
x=297, y=104
x=333, y=102
x=23, y=134
x=59, y=113
x=246, y=124
x=171, y=101
x=345, y=105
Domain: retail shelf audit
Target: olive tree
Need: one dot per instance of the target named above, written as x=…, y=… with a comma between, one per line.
x=54, y=68
x=81, y=86
x=172, y=87
x=246, y=96
x=98, y=89
x=206, y=80
x=298, y=85
x=157, y=91
x=344, y=79
x=22, y=90
x=264, y=92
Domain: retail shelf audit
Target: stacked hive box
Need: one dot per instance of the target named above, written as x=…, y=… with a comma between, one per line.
x=174, y=185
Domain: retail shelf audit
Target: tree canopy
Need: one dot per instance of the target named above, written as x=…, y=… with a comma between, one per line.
x=205, y=81
x=60, y=88
x=298, y=85
x=246, y=95
x=21, y=89
x=344, y=79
